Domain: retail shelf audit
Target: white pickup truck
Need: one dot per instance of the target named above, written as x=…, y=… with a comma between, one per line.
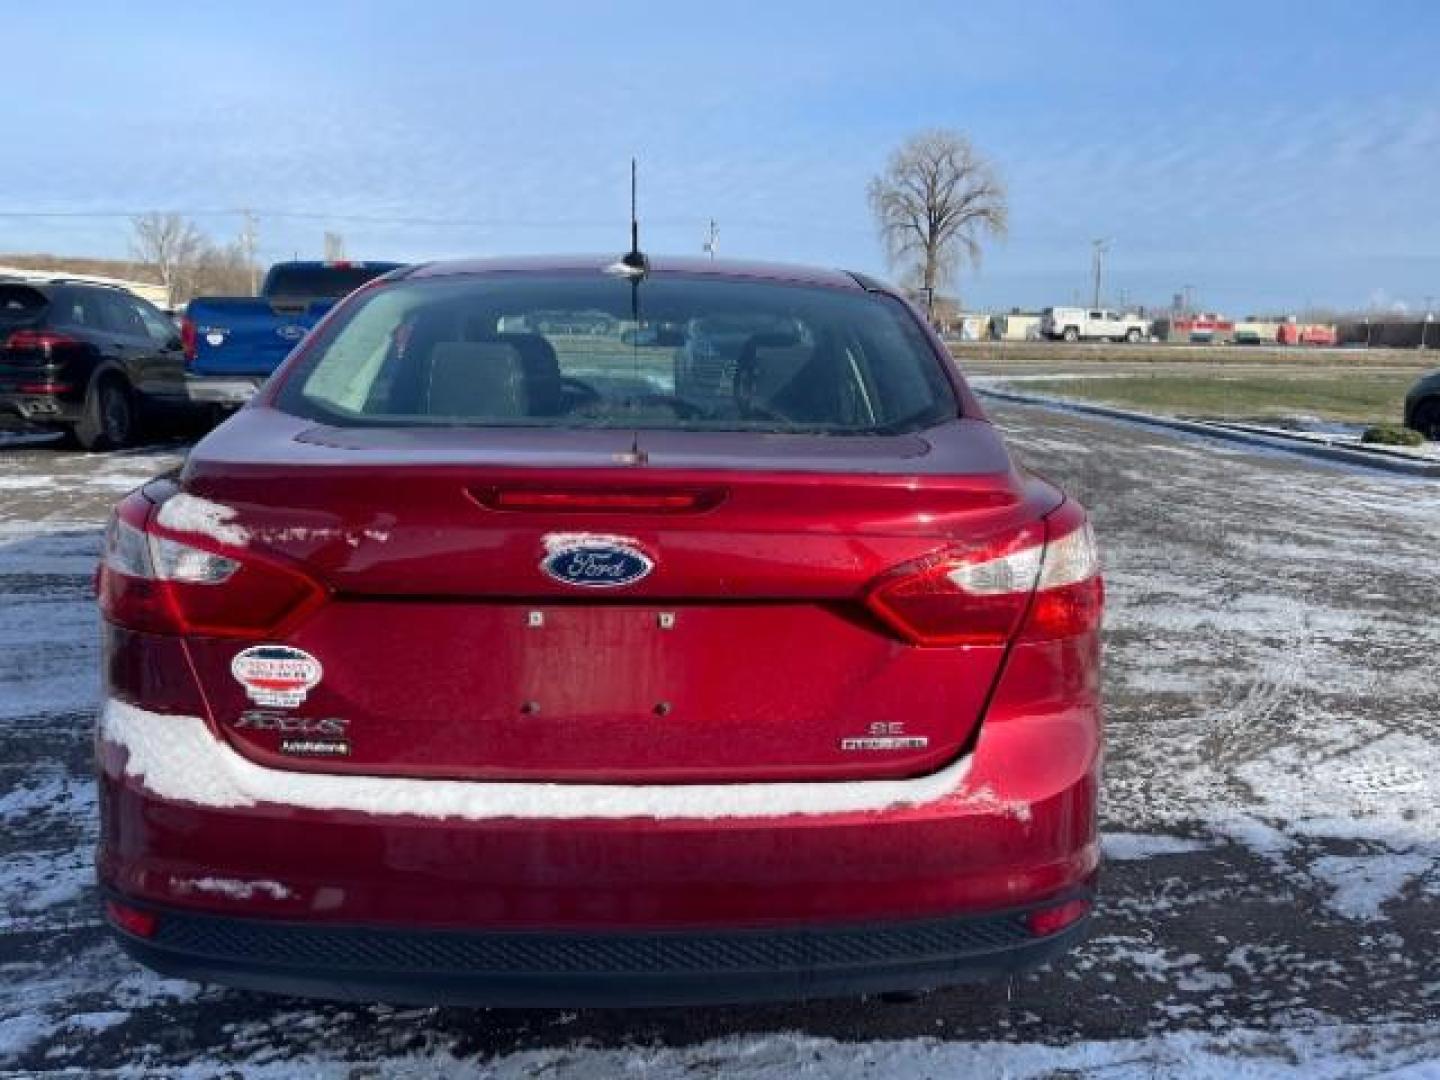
x=1092, y=324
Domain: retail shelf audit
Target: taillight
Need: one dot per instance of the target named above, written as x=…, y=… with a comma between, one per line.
x=187, y=339
x=38, y=340
x=1040, y=583
x=153, y=581
x=1070, y=595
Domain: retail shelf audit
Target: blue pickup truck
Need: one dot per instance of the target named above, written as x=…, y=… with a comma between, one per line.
x=233, y=343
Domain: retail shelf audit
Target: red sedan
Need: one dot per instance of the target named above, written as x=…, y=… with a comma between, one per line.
x=554, y=632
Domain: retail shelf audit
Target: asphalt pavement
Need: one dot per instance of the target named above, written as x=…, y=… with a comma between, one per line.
x=1271, y=898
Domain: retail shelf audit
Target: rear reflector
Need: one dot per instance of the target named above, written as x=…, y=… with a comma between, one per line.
x=44, y=388
x=132, y=920
x=1040, y=583
x=152, y=581
x=1052, y=920
x=658, y=501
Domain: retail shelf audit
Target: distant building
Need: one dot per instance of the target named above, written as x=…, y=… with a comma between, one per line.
x=1015, y=326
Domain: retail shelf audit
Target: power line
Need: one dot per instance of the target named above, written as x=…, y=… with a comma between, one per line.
x=400, y=219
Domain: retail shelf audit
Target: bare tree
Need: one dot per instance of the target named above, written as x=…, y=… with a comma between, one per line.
x=933, y=203
x=215, y=271
x=170, y=243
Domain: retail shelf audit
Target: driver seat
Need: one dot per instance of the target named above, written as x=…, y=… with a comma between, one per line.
x=476, y=380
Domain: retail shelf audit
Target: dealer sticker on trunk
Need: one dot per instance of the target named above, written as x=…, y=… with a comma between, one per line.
x=276, y=675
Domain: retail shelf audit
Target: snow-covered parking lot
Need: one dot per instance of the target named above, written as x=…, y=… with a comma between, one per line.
x=1271, y=903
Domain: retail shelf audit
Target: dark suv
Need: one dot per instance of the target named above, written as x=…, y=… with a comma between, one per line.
x=1422, y=406
x=92, y=360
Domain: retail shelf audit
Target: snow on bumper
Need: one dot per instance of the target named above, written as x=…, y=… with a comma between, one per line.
x=178, y=758
x=1010, y=825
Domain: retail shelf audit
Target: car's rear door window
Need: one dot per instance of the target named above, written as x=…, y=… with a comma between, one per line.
x=304, y=282
x=121, y=316
x=78, y=309
x=599, y=351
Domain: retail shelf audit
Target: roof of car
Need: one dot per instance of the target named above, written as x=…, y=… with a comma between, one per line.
x=44, y=285
x=659, y=265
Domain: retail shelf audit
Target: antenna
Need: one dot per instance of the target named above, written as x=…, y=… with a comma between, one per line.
x=634, y=214
x=634, y=263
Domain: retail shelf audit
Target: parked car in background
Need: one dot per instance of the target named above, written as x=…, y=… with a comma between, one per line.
x=1422, y=406
x=233, y=343
x=93, y=361
x=510, y=667
x=1092, y=324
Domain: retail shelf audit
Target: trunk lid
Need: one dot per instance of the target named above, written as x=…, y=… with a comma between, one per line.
x=456, y=643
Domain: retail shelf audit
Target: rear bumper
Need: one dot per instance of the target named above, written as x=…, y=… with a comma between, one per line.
x=41, y=408
x=221, y=389
x=285, y=881
x=554, y=970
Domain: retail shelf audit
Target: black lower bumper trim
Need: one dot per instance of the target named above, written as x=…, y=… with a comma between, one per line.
x=561, y=969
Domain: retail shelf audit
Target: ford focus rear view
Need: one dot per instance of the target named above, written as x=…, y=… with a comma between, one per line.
x=549, y=632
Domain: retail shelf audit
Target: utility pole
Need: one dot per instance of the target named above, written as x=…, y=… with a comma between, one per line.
x=1102, y=247
x=248, y=239
x=712, y=239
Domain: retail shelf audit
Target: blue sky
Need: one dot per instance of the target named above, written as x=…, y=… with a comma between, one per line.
x=1272, y=155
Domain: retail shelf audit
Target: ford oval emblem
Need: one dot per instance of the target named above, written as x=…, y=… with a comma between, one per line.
x=594, y=562
x=290, y=332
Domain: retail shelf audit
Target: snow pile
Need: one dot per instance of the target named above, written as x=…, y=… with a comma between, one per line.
x=1363, y=883
x=1129, y=847
x=187, y=513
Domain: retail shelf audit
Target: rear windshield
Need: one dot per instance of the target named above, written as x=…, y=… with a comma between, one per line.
x=20, y=303
x=600, y=351
x=290, y=282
